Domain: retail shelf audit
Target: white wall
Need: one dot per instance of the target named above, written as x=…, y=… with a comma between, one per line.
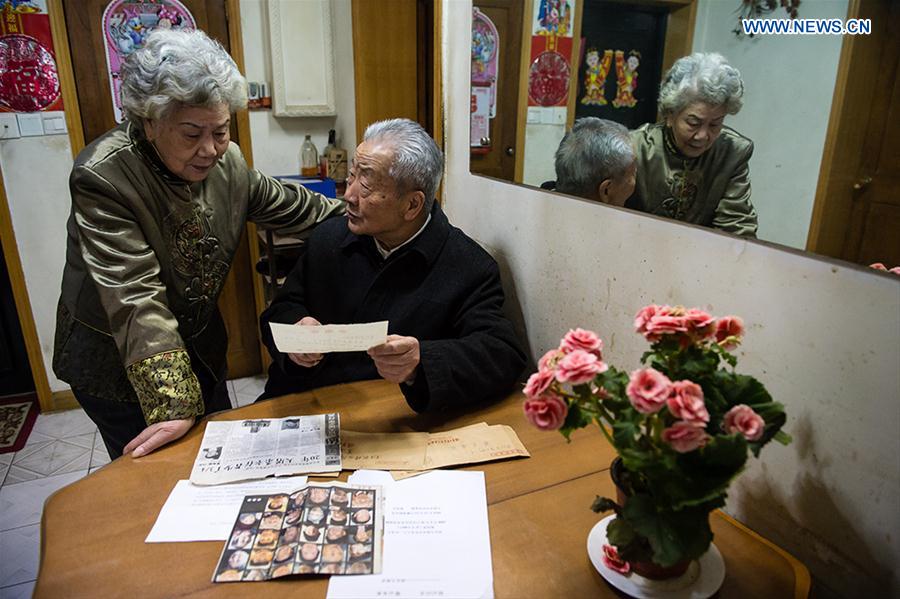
x=789, y=82
x=36, y=176
x=823, y=337
x=276, y=140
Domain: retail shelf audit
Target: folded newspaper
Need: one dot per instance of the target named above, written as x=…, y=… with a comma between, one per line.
x=319, y=529
x=236, y=450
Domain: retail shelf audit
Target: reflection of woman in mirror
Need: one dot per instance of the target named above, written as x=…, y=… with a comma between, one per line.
x=691, y=167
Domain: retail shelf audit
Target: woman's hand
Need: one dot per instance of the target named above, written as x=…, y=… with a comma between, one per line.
x=156, y=435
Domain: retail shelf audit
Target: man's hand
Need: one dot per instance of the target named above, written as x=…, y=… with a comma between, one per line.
x=306, y=360
x=156, y=435
x=397, y=358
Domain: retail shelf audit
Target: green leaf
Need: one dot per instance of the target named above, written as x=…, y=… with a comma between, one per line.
x=674, y=536
x=605, y=504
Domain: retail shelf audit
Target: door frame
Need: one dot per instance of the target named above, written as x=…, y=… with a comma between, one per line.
x=49, y=400
x=845, y=139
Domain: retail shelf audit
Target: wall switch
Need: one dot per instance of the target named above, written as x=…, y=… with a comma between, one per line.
x=30, y=124
x=9, y=126
x=54, y=122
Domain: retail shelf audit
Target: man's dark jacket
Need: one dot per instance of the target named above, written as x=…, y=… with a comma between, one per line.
x=441, y=288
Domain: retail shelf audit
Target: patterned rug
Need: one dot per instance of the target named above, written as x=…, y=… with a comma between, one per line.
x=17, y=416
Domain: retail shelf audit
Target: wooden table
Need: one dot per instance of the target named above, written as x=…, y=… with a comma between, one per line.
x=92, y=532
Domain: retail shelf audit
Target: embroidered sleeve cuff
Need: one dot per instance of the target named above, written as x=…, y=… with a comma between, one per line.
x=166, y=387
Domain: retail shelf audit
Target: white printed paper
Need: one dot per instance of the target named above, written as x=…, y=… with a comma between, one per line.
x=296, y=339
x=436, y=539
x=202, y=513
x=234, y=450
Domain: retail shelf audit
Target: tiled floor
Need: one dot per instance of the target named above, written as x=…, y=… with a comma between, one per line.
x=62, y=448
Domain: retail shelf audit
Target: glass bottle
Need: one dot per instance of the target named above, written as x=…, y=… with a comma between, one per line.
x=323, y=161
x=309, y=159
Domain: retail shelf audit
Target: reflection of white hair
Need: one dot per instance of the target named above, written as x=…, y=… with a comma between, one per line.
x=593, y=151
x=701, y=77
x=178, y=67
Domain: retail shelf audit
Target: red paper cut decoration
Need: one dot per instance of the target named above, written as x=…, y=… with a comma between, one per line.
x=548, y=81
x=29, y=81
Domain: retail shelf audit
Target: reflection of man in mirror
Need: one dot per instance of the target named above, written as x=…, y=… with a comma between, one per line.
x=595, y=161
x=396, y=257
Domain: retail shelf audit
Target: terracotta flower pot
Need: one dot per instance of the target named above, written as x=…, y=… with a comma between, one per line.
x=647, y=569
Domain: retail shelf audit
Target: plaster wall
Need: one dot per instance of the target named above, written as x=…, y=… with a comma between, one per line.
x=277, y=140
x=36, y=177
x=824, y=337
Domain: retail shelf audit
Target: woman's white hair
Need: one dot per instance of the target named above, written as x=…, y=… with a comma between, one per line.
x=417, y=162
x=178, y=67
x=701, y=77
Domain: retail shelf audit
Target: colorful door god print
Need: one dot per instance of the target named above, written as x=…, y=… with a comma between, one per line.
x=126, y=24
x=595, y=76
x=626, y=78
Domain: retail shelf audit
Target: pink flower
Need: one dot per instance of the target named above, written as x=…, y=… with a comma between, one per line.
x=546, y=413
x=699, y=323
x=665, y=324
x=644, y=316
x=878, y=266
x=729, y=330
x=538, y=383
x=895, y=270
x=742, y=419
x=684, y=437
x=686, y=403
x=612, y=560
x=589, y=341
x=579, y=367
x=648, y=390
x=548, y=361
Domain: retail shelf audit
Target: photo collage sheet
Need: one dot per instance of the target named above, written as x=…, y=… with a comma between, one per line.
x=320, y=529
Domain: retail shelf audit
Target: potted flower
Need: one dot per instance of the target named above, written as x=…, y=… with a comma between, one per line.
x=682, y=425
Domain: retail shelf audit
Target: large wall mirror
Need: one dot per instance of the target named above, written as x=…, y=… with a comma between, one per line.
x=821, y=110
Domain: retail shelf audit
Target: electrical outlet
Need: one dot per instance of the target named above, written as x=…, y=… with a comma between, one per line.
x=9, y=126
x=54, y=122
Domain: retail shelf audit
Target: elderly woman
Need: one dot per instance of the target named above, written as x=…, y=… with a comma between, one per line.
x=158, y=208
x=691, y=167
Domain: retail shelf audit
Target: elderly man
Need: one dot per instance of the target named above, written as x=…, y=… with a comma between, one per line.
x=596, y=161
x=396, y=257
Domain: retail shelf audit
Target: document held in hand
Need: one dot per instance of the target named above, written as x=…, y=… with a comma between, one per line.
x=326, y=338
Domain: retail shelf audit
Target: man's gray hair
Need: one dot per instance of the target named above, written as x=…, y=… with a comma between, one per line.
x=593, y=151
x=701, y=77
x=177, y=67
x=417, y=163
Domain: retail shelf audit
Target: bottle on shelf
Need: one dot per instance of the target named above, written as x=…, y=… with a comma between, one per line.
x=323, y=160
x=309, y=159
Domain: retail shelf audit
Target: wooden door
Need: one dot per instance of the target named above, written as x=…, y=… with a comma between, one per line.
x=856, y=215
x=500, y=160
x=874, y=227
x=83, y=24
